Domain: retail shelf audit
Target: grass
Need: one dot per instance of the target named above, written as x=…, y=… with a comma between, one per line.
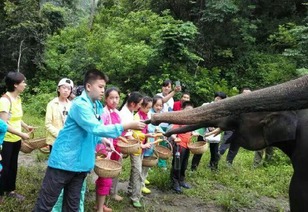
x=230, y=188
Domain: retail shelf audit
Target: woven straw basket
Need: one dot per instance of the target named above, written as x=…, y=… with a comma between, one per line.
x=25, y=147
x=107, y=168
x=198, y=147
x=131, y=147
x=150, y=161
x=37, y=143
x=163, y=152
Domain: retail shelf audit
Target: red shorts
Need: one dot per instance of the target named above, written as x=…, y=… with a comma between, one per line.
x=103, y=186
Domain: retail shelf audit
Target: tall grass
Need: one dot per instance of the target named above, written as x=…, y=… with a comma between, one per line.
x=237, y=188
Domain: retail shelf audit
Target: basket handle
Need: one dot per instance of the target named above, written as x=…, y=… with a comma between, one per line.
x=123, y=139
x=171, y=148
x=108, y=155
x=115, y=151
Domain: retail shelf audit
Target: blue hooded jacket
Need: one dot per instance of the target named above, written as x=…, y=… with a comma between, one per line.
x=74, y=148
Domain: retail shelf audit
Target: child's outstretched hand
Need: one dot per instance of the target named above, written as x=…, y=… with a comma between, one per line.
x=146, y=146
x=134, y=125
x=177, y=140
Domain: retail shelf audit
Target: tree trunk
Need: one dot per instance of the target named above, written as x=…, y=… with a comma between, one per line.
x=91, y=18
x=19, y=55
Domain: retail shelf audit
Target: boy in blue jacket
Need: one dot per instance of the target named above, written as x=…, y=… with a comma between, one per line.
x=73, y=154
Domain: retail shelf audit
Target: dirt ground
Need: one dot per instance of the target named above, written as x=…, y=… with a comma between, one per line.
x=166, y=201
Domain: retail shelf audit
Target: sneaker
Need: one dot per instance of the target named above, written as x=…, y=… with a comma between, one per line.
x=185, y=185
x=146, y=182
x=137, y=204
x=145, y=190
x=177, y=189
x=106, y=209
x=13, y=194
x=117, y=198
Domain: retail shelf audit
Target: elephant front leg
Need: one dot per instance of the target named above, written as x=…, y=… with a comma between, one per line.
x=298, y=192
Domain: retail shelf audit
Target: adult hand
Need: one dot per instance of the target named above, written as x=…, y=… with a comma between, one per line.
x=25, y=136
x=177, y=88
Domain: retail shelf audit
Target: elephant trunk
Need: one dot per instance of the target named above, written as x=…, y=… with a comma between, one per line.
x=291, y=95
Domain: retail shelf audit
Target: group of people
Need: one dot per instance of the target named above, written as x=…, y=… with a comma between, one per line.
x=220, y=143
x=79, y=130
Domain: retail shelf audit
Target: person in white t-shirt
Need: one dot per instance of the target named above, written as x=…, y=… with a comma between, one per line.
x=167, y=94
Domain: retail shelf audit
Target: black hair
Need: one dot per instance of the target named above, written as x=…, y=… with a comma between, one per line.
x=185, y=93
x=134, y=97
x=220, y=94
x=156, y=98
x=109, y=90
x=146, y=101
x=12, y=78
x=166, y=83
x=78, y=90
x=92, y=75
x=187, y=103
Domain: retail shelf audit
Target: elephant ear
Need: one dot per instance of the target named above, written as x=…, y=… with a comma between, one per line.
x=280, y=126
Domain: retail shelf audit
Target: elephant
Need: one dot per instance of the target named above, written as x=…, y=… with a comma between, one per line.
x=273, y=116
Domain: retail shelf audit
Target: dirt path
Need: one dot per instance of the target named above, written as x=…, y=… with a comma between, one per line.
x=167, y=201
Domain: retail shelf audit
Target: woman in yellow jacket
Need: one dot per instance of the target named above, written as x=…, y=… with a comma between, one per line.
x=57, y=110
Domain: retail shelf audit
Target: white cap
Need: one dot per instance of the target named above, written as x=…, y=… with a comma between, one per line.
x=66, y=81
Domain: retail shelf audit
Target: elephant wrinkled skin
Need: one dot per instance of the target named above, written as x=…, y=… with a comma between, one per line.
x=273, y=116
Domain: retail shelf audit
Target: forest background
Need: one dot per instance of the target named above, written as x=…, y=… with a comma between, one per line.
x=207, y=45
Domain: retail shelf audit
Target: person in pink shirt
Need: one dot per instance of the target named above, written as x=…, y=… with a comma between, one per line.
x=106, y=186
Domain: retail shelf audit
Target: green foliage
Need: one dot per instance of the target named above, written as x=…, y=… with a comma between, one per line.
x=299, y=50
x=283, y=38
x=138, y=43
x=125, y=47
x=219, y=11
x=38, y=98
x=258, y=70
x=55, y=17
x=22, y=36
x=37, y=103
